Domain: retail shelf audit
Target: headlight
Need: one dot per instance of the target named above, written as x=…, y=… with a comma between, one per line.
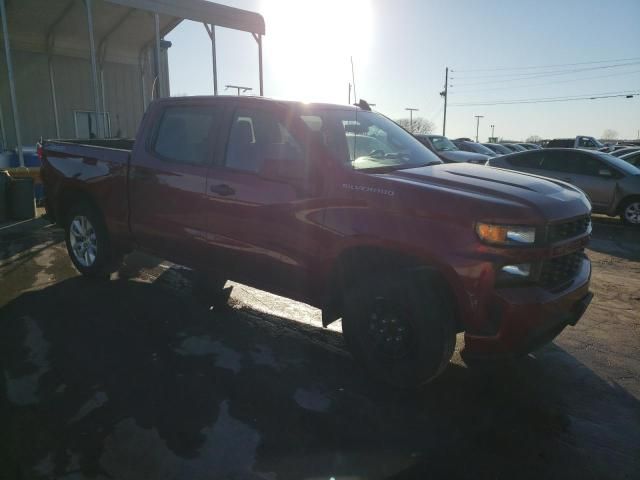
x=506, y=235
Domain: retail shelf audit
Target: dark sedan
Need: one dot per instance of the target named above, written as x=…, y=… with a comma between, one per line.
x=530, y=146
x=496, y=147
x=446, y=150
x=632, y=157
x=514, y=147
x=470, y=146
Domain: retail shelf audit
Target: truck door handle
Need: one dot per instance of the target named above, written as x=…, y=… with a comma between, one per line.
x=222, y=189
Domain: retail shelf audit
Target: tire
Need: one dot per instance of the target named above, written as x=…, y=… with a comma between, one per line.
x=630, y=212
x=402, y=330
x=87, y=240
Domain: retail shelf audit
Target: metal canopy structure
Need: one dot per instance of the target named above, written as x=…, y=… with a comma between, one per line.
x=110, y=30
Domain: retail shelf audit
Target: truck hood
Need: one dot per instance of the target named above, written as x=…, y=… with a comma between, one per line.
x=498, y=193
x=461, y=156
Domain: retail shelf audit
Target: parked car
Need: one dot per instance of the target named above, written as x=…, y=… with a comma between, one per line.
x=447, y=151
x=530, y=146
x=514, y=147
x=496, y=147
x=406, y=250
x=624, y=151
x=580, y=141
x=632, y=157
x=612, y=185
x=469, y=146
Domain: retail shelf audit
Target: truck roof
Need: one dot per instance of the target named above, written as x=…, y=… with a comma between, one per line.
x=255, y=100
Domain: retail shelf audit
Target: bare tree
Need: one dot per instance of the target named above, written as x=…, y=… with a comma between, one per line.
x=534, y=139
x=609, y=134
x=420, y=125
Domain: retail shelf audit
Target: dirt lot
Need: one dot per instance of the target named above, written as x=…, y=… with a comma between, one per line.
x=134, y=379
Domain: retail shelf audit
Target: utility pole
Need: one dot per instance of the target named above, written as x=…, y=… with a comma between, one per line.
x=349, y=101
x=444, y=94
x=238, y=88
x=492, y=127
x=478, y=117
x=411, y=110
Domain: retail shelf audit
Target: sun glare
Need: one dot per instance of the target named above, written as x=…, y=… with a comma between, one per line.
x=308, y=45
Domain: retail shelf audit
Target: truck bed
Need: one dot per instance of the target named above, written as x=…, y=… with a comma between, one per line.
x=93, y=169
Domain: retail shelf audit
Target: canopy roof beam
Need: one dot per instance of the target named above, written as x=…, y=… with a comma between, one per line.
x=201, y=11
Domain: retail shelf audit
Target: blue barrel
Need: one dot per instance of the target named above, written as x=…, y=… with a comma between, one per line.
x=14, y=161
x=30, y=155
x=5, y=159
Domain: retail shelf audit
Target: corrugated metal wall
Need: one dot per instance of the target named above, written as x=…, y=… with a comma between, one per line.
x=123, y=95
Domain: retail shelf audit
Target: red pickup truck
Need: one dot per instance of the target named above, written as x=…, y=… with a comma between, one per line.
x=339, y=207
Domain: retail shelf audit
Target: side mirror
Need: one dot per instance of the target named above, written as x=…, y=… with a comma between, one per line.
x=284, y=169
x=604, y=172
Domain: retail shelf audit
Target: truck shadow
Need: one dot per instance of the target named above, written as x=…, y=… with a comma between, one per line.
x=21, y=242
x=611, y=237
x=128, y=379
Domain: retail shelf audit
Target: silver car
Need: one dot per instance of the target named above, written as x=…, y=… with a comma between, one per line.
x=612, y=185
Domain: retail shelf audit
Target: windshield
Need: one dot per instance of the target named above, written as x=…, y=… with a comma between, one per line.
x=442, y=144
x=367, y=140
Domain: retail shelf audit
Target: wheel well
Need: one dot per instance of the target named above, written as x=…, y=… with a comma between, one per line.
x=69, y=197
x=362, y=262
x=626, y=200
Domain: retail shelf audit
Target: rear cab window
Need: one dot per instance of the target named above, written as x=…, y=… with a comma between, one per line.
x=184, y=134
x=561, y=143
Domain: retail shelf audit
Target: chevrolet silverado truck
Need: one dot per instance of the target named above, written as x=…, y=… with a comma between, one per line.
x=588, y=143
x=338, y=207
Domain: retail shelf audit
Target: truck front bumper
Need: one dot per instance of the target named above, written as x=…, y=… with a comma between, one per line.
x=529, y=317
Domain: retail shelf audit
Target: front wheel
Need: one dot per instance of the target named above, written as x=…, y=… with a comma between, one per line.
x=630, y=212
x=401, y=329
x=88, y=242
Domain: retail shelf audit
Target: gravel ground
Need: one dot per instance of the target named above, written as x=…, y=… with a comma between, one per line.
x=134, y=379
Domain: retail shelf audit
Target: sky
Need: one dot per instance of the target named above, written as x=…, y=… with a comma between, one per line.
x=496, y=51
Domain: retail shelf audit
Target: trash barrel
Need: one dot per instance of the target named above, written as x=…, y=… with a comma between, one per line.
x=22, y=205
x=5, y=179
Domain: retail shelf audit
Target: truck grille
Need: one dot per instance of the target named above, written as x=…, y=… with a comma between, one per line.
x=565, y=230
x=558, y=271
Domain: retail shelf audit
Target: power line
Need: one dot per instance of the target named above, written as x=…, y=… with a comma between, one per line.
x=548, y=74
x=546, y=66
x=552, y=82
x=593, y=96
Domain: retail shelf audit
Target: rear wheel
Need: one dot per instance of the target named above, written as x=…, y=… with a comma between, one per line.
x=400, y=329
x=88, y=243
x=630, y=212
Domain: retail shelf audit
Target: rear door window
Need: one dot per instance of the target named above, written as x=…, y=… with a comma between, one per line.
x=257, y=135
x=185, y=134
x=582, y=164
x=555, y=162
